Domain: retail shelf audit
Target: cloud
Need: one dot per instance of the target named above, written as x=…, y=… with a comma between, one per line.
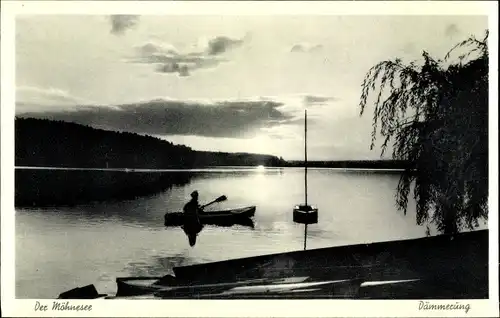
x=306, y=48
x=121, y=23
x=31, y=98
x=46, y=96
x=221, y=44
x=234, y=119
x=170, y=60
x=292, y=128
x=294, y=106
x=452, y=30
x=266, y=124
x=311, y=100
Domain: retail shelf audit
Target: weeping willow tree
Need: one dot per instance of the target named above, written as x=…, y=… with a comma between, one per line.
x=435, y=117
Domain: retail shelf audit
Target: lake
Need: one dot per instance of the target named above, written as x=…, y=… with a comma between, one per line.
x=59, y=248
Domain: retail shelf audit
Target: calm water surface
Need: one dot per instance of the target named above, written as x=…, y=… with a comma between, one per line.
x=65, y=247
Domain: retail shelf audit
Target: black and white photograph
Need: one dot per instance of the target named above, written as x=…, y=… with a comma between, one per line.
x=207, y=152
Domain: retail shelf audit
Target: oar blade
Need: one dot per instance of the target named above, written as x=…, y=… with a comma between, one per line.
x=221, y=198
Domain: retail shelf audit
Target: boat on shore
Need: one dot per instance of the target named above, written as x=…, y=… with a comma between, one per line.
x=229, y=217
x=439, y=267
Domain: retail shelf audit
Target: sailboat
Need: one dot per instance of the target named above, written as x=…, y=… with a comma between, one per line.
x=305, y=213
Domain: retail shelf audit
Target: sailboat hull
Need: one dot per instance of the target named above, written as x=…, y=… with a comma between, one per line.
x=305, y=214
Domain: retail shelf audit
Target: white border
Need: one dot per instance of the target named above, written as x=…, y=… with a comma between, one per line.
x=252, y=7
x=267, y=308
x=493, y=155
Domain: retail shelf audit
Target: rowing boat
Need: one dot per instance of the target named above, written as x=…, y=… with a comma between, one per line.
x=240, y=216
x=422, y=268
x=250, y=288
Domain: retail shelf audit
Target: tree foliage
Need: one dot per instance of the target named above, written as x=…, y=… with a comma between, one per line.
x=436, y=116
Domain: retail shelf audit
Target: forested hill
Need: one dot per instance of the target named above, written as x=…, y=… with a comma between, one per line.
x=47, y=143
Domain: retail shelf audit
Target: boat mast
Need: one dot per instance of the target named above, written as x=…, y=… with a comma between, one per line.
x=305, y=174
x=305, y=156
x=303, y=213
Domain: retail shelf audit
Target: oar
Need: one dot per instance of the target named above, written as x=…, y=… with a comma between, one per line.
x=219, y=199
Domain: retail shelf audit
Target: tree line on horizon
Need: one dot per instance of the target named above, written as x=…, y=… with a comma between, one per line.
x=50, y=143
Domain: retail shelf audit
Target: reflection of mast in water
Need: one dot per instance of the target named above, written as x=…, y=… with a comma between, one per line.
x=305, y=214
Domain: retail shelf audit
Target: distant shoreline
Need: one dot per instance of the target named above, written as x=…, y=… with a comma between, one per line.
x=211, y=169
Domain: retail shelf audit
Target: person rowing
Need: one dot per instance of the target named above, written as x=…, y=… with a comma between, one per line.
x=192, y=207
x=192, y=225
x=191, y=212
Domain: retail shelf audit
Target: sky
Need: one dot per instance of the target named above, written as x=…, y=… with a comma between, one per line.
x=222, y=83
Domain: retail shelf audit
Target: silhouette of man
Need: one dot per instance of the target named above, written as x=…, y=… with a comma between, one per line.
x=192, y=225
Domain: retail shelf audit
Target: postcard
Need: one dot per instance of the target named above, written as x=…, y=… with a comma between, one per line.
x=249, y=159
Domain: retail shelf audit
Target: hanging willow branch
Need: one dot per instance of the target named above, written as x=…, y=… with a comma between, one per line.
x=436, y=118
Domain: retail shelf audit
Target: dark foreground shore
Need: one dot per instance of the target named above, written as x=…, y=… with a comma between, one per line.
x=440, y=267
x=454, y=267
